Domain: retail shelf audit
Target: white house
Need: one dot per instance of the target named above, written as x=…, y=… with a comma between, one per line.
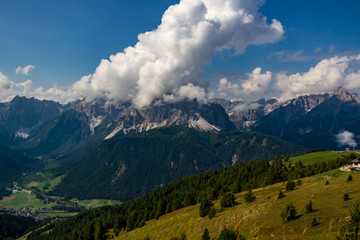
x=356, y=164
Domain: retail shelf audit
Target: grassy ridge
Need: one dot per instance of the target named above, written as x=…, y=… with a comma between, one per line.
x=319, y=157
x=262, y=218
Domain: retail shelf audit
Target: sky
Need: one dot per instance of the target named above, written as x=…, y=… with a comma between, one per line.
x=235, y=49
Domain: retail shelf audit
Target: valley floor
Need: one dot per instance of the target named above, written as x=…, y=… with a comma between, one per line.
x=261, y=219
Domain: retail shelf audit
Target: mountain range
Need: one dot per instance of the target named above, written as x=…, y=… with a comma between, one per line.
x=47, y=126
x=119, y=151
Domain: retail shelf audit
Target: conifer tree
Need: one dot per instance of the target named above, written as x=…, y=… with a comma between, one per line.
x=281, y=195
x=206, y=235
x=309, y=207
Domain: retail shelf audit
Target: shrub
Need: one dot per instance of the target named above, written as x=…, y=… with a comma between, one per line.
x=281, y=195
x=205, y=206
x=314, y=222
x=289, y=213
x=212, y=213
x=227, y=234
x=309, y=207
x=249, y=196
x=298, y=182
x=349, y=179
x=346, y=197
x=327, y=182
x=228, y=200
x=290, y=185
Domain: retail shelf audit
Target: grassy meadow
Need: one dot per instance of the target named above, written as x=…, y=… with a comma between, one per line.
x=319, y=157
x=261, y=219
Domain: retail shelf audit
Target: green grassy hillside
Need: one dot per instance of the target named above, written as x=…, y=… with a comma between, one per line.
x=264, y=215
x=261, y=219
x=319, y=157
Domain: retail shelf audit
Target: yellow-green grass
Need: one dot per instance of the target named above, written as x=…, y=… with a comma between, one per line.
x=52, y=182
x=261, y=219
x=318, y=157
x=15, y=200
x=92, y=203
x=23, y=199
x=59, y=213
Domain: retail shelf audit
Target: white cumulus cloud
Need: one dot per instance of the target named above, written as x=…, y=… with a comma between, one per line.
x=24, y=70
x=346, y=138
x=9, y=89
x=326, y=76
x=173, y=55
x=255, y=86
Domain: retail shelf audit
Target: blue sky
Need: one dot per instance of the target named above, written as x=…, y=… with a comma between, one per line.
x=66, y=40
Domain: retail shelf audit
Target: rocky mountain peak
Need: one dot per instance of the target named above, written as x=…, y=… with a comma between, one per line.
x=346, y=96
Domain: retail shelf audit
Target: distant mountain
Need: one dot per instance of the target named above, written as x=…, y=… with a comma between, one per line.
x=127, y=166
x=287, y=112
x=21, y=115
x=83, y=121
x=246, y=115
x=312, y=121
x=318, y=127
x=45, y=127
x=59, y=135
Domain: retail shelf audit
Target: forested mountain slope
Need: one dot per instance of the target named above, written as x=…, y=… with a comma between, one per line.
x=127, y=166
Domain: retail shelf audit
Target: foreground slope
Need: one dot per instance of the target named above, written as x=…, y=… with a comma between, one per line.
x=184, y=192
x=261, y=219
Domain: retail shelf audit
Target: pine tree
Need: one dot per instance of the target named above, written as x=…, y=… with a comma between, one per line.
x=290, y=185
x=212, y=213
x=309, y=207
x=206, y=235
x=314, y=222
x=228, y=200
x=351, y=229
x=99, y=231
x=349, y=179
x=249, y=196
x=281, y=195
x=205, y=206
x=227, y=234
x=289, y=213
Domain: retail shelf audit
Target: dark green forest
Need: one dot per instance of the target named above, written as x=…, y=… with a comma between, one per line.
x=186, y=191
x=128, y=166
x=12, y=164
x=13, y=227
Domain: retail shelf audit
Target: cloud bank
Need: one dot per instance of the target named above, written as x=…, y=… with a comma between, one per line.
x=346, y=138
x=173, y=56
x=325, y=76
x=9, y=89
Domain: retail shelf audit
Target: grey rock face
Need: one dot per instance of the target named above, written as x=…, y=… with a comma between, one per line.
x=19, y=116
